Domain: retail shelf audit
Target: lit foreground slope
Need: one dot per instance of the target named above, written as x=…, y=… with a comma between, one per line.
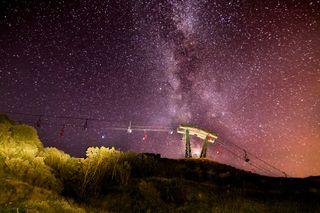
x=39, y=179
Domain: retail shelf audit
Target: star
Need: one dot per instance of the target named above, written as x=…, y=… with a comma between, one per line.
x=247, y=71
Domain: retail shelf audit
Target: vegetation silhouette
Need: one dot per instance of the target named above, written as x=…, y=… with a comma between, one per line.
x=35, y=178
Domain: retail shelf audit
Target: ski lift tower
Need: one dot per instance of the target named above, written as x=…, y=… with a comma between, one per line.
x=187, y=130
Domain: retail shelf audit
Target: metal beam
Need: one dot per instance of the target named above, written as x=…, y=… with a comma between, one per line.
x=188, y=146
x=204, y=148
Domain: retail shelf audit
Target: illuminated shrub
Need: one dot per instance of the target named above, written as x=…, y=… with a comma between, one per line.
x=5, y=120
x=19, y=156
x=121, y=172
x=65, y=168
x=25, y=134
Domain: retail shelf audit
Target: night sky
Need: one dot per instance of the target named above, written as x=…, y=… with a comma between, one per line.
x=248, y=71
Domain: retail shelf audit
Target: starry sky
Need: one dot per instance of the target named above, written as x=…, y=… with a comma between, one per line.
x=247, y=70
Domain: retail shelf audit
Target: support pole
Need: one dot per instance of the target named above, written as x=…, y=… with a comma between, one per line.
x=188, y=146
x=204, y=148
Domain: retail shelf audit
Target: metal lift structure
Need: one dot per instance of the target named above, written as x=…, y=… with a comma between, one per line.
x=186, y=130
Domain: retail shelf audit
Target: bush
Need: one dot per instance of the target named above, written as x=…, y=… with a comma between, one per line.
x=25, y=134
x=98, y=165
x=64, y=168
x=4, y=119
x=20, y=159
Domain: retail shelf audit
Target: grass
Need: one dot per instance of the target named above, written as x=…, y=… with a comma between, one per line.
x=38, y=179
x=167, y=191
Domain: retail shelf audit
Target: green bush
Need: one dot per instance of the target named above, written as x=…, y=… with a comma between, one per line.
x=4, y=119
x=23, y=134
x=20, y=159
x=64, y=168
x=33, y=171
x=102, y=168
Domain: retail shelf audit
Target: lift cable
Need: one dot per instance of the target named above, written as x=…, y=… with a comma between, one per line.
x=42, y=118
x=266, y=171
x=263, y=161
x=257, y=158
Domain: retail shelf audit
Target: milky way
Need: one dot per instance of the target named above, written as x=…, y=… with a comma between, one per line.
x=248, y=71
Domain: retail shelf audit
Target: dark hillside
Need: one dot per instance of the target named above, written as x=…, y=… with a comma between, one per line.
x=38, y=179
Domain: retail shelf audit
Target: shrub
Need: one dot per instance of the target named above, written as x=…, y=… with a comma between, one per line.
x=25, y=134
x=20, y=159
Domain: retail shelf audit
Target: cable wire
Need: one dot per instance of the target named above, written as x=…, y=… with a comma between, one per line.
x=43, y=120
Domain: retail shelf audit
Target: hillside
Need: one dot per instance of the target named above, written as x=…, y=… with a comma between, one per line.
x=39, y=179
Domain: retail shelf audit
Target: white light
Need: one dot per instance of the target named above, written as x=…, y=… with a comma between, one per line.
x=196, y=151
x=103, y=136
